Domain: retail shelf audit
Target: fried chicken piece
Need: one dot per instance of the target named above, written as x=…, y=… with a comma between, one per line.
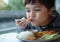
x=45, y=32
x=39, y=34
x=52, y=31
x=31, y=38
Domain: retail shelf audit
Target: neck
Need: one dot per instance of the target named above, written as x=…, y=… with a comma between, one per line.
x=48, y=21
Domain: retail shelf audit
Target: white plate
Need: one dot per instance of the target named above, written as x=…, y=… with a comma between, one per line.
x=39, y=40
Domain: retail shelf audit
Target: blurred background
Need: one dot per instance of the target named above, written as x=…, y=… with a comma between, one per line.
x=11, y=10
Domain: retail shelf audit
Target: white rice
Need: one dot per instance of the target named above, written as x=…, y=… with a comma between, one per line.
x=25, y=34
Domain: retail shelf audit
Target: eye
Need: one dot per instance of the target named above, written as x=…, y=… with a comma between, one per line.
x=37, y=10
x=27, y=10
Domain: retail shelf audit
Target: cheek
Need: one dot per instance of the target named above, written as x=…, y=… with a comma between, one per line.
x=28, y=15
x=42, y=16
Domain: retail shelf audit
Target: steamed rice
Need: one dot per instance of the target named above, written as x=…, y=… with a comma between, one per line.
x=25, y=34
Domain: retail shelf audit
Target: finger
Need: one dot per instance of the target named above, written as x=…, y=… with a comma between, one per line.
x=21, y=23
x=18, y=21
x=24, y=25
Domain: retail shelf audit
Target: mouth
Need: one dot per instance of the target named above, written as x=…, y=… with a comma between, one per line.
x=31, y=20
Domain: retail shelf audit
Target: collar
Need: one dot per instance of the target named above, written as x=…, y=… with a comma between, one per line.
x=51, y=24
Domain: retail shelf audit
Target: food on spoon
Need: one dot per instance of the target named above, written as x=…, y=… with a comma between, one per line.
x=29, y=19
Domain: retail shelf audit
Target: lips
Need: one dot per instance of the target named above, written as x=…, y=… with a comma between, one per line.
x=30, y=19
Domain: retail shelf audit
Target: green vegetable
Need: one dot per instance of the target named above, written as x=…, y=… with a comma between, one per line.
x=50, y=37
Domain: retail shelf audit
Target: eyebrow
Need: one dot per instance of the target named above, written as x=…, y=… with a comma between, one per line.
x=37, y=6
x=27, y=8
x=34, y=7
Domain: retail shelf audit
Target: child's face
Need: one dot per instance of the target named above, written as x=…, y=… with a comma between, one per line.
x=38, y=13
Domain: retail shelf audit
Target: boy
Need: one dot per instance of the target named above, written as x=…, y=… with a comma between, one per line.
x=40, y=12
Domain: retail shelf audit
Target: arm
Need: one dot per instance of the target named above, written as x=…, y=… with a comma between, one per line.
x=29, y=27
x=20, y=30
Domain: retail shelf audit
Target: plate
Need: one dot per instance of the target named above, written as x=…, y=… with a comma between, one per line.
x=39, y=40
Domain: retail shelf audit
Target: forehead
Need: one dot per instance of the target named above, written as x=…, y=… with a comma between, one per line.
x=33, y=5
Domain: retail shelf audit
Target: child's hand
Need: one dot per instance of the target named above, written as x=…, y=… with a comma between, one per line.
x=21, y=23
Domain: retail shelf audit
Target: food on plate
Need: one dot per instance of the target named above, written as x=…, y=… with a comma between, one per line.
x=25, y=34
x=50, y=37
x=45, y=35
x=31, y=37
x=52, y=31
x=38, y=34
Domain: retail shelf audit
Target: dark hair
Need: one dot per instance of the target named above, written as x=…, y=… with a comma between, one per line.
x=47, y=3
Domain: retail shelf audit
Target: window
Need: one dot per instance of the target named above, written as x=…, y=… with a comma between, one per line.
x=58, y=6
x=9, y=11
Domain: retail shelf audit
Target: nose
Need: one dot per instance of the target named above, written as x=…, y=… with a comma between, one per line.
x=32, y=14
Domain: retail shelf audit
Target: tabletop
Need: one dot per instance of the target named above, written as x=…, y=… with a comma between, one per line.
x=12, y=37
x=9, y=37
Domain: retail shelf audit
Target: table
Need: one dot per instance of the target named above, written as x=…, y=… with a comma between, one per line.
x=9, y=37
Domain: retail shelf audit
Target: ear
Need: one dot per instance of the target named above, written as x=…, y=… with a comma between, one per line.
x=51, y=10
